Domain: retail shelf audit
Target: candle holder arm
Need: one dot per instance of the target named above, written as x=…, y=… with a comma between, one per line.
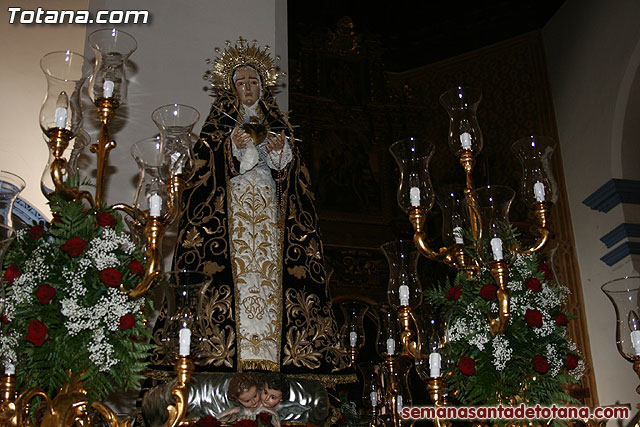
x=177, y=413
x=106, y=110
x=136, y=214
x=154, y=229
x=418, y=218
x=542, y=212
x=409, y=345
x=500, y=273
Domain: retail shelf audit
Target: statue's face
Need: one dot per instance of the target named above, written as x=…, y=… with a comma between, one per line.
x=249, y=398
x=270, y=397
x=248, y=86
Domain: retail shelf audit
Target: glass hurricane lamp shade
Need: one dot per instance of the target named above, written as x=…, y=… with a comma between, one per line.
x=372, y=390
x=152, y=192
x=404, y=287
x=183, y=295
x=352, y=330
x=431, y=338
x=455, y=215
x=398, y=393
x=175, y=123
x=65, y=72
x=461, y=104
x=624, y=294
x=413, y=156
x=496, y=240
x=388, y=342
x=112, y=48
x=538, y=183
x=10, y=187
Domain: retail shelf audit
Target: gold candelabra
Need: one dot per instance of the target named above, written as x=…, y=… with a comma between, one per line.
x=167, y=158
x=476, y=234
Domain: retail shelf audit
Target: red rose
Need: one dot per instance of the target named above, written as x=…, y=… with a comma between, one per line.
x=265, y=418
x=105, y=219
x=533, y=318
x=467, y=365
x=571, y=362
x=561, y=319
x=454, y=293
x=4, y=319
x=548, y=272
x=37, y=333
x=126, y=322
x=489, y=292
x=246, y=423
x=136, y=267
x=12, y=273
x=111, y=277
x=45, y=293
x=36, y=231
x=208, y=421
x=74, y=247
x=540, y=364
x=533, y=284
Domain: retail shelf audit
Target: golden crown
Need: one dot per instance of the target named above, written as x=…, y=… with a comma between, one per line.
x=242, y=54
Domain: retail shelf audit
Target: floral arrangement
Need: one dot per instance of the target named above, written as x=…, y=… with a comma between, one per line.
x=66, y=314
x=531, y=361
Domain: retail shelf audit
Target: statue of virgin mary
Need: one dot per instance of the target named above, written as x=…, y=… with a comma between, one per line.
x=249, y=220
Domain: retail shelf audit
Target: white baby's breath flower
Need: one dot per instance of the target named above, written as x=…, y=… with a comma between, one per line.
x=547, y=328
x=555, y=361
x=501, y=352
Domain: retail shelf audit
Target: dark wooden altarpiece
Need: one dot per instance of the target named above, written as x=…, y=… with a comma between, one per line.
x=350, y=111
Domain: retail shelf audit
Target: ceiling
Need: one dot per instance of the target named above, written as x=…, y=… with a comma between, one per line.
x=415, y=33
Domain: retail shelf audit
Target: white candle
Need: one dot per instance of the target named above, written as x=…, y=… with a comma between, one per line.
x=374, y=398
x=353, y=338
x=61, y=117
x=465, y=140
x=434, y=364
x=496, y=248
x=414, y=196
x=9, y=368
x=107, y=89
x=538, y=191
x=404, y=295
x=457, y=235
x=399, y=404
x=155, y=205
x=391, y=346
x=635, y=341
x=185, y=341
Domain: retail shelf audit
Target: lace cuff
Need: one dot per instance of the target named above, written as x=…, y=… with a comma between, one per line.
x=278, y=160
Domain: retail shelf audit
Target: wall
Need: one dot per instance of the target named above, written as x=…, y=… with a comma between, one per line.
x=593, y=53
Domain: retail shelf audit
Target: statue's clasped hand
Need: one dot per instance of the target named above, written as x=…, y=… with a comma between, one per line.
x=276, y=141
x=240, y=138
